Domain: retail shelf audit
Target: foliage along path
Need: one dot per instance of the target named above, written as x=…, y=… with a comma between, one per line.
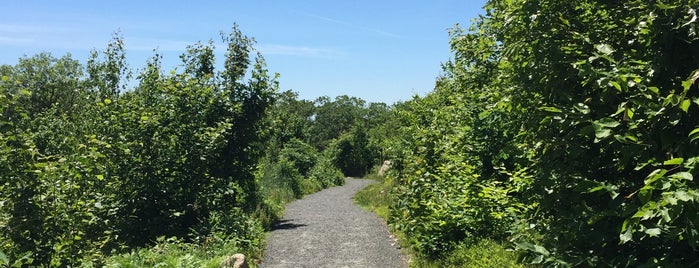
x=327, y=229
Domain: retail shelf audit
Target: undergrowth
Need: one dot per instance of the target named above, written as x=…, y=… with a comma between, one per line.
x=484, y=253
x=174, y=252
x=375, y=196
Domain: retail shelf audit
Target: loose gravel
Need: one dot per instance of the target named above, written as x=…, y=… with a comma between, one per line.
x=327, y=229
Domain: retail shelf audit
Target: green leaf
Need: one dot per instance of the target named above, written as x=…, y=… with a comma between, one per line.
x=683, y=176
x=100, y=177
x=654, y=176
x=550, y=109
x=607, y=122
x=534, y=248
x=653, y=232
x=682, y=195
x=644, y=213
x=674, y=161
x=604, y=49
x=694, y=135
x=615, y=85
x=525, y=245
x=538, y=259
x=687, y=84
x=602, y=133
x=602, y=127
x=626, y=236
x=655, y=90
x=5, y=78
x=662, y=5
x=598, y=188
x=612, y=190
x=3, y=258
x=685, y=105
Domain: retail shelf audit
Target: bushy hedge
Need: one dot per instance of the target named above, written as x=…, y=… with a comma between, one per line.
x=88, y=167
x=569, y=128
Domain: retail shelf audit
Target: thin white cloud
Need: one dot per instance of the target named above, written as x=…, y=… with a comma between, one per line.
x=31, y=29
x=165, y=45
x=4, y=40
x=344, y=23
x=148, y=44
x=302, y=51
x=23, y=34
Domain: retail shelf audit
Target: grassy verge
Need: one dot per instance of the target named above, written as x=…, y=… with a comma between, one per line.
x=376, y=198
x=173, y=252
x=485, y=253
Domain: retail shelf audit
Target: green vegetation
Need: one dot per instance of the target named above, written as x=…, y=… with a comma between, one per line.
x=375, y=196
x=181, y=169
x=482, y=254
x=566, y=131
x=560, y=134
x=174, y=252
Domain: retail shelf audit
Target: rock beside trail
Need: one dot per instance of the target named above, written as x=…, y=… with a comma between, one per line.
x=234, y=261
x=384, y=167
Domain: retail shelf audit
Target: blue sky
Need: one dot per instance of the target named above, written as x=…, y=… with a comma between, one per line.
x=380, y=51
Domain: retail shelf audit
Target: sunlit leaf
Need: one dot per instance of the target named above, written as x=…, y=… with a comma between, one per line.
x=604, y=49
x=685, y=105
x=682, y=195
x=615, y=85
x=3, y=258
x=674, y=161
x=683, y=176
x=607, y=122
x=694, y=134
x=655, y=90
x=626, y=236
x=653, y=232
x=551, y=109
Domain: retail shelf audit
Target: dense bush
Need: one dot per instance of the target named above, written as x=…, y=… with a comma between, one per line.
x=89, y=168
x=567, y=127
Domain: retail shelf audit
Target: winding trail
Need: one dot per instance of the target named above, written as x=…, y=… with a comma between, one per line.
x=327, y=229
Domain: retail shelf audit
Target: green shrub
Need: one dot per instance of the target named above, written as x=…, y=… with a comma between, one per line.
x=88, y=168
x=572, y=123
x=326, y=173
x=174, y=252
x=482, y=254
x=302, y=155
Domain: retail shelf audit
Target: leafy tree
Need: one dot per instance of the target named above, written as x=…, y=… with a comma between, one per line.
x=352, y=153
x=333, y=118
x=52, y=82
x=108, y=76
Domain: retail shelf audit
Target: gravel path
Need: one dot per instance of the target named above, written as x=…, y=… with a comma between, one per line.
x=327, y=229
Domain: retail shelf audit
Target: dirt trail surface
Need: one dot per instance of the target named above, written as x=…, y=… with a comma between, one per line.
x=327, y=229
